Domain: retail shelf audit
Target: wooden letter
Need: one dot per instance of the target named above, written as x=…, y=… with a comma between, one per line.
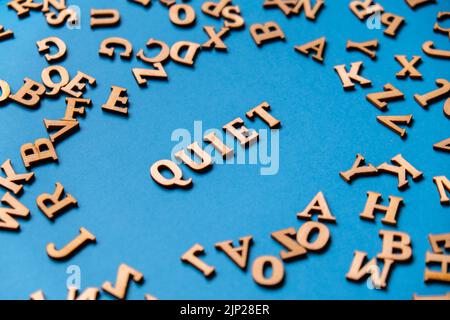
x=428, y=48
x=438, y=94
x=364, y=47
x=188, y=13
x=347, y=77
x=161, y=57
x=215, y=38
x=175, y=181
x=444, y=261
x=104, y=18
x=443, y=145
x=393, y=23
x=317, y=205
x=124, y=274
x=15, y=208
x=305, y=232
x=286, y=6
x=396, y=246
x=390, y=93
x=191, y=257
x=258, y=271
x=365, y=8
x=408, y=67
x=437, y=239
x=44, y=46
x=206, y=160
x=358, y=271
x=239, y=255
x=141, y=74
x=22, y=7
x=317, y=45
x=233, y=19
x=5, y=89
x=72, y=110
x=443, y=297
x=5, y=34
x=41, y=151
x=108, y=46
x=401, y=169
x=287, y=238
x=73, y=246
x=57, y=4
x=214, y=9
x=358, y=169
x=88, y=294
x=266, y=32
x=65, y=128
x=240, y=132
x=191, y=49
x=416, y=3
x=390, y=211
x=118, y=95
x=59, y=18
x=12, y=178
x=47, y=80
x=29, y=95
x=262, y=112
x=443, y=184
x=53, y=204
x=144, y=3
x=224, y=150
x=310, y=12
x=77, y=85
x=392, y=122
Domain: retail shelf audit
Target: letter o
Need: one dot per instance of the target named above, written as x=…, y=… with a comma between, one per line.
x=305, y=231
x=174, y=14
x=259, y=266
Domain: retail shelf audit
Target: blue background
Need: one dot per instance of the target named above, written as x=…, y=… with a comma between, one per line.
x=106, y=165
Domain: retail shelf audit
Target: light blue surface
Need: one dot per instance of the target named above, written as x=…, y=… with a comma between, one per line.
x=106, y=165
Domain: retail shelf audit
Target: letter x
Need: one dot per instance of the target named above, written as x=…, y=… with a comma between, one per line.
x=215, y=38
x=409, y=67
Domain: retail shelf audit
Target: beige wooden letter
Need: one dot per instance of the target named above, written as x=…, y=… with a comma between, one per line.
x=240, y=132
x=239, y=255
x=390, y=211
x=262, y=112
x=104, y=18
x=358, y=270
x=80, y=241
x=12, y=178
x=258, y=271
x=177, y=174
x=206, y=160
x=347, y=77
x=29, y=95
x=41, y=151
x=268, y=31
x=191, y=257
x=118, y=95
x=15, y=208
x=396, y=246
x=317, y=206
x=287, y=238
x=124, y=275
x=401, y=170
x=53, y=204
x=358, y=169
x=443, y=184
